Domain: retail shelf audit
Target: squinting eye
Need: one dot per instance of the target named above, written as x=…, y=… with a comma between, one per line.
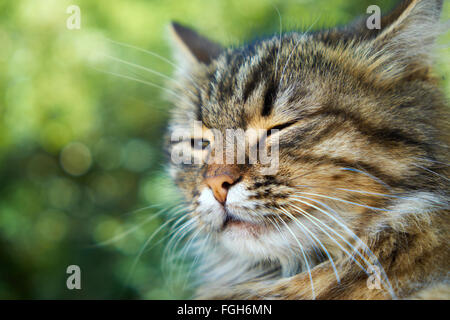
x=199, y=144
x=280, y=127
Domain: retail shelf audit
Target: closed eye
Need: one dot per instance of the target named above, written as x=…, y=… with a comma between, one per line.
x=280, y=127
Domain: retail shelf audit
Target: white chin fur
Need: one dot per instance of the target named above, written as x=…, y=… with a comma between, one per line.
x=265, y=245
x=210, y=211
x=259, y=242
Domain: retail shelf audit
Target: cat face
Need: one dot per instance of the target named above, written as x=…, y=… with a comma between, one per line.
x=351, y=118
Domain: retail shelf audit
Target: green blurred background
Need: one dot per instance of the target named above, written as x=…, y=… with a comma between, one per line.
x=80, y=148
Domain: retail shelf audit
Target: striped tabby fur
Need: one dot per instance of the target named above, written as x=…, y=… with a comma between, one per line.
x=362, y=188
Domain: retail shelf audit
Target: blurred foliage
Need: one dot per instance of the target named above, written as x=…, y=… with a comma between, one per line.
x=80, y=148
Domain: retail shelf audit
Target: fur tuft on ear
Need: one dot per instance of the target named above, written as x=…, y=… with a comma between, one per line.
x=406, y=41
x=191, y=48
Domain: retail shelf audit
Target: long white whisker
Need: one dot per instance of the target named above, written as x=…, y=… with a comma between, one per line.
x=320, y=243
x=178, y=236
x=141, y=251
x=353, y=190
x=365, y=248
x=134, y=228
x=277, y=226
x=307, y=215
x=197, y=256
x=289, y=58
x=305, y=232
x=174, y=240
x=145, y=51
x=154, y=55
x=295, y=47
x=151, y=84
x=345, y=201
x=137, y=66
x=431, y=171
x=433, y=161
x=180, y=259
x=388, y=187
x=279, y=44
x=173, y=244
x=171, y=231
x=304, y=257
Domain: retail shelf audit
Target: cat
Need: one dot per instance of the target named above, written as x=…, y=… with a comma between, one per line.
x=359, y=205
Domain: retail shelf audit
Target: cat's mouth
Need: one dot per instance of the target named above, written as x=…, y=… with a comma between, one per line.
x=231, y=220
x=234, y=222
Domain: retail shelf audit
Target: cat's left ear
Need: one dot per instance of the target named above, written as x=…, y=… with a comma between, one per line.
x=192, y=48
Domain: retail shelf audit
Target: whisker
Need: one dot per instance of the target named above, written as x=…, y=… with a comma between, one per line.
x=171, y=230
x=151, y=84
x=274, y=222
x=295, y=47
x=355, y=237
x=305, y=259
x=289, y=58
x=197, y=256
x=369, y=175
x=179, y=259
x=172, y=245
x=134, y=228
x=152, y=206
x=301, y=226
x=280, y=42
x=309, y=216
x=137, y=66
x=178, y=232
x=141, y=251
x=320, y=243
x=154, y=54
x=385, y=195
x=433, y=161
x=372, y=193
x=159, y=241
x=188, y=245
x=177, y=237
x=345, y=201
x=176, y=224
x=431, y=171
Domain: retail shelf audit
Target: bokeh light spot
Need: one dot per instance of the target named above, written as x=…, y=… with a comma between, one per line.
x=76, y=159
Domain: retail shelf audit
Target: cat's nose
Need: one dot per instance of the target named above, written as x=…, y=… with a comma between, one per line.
x=220, y=185
x=220, y=178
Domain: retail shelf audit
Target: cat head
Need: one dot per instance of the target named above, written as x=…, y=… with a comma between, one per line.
x=355, y=116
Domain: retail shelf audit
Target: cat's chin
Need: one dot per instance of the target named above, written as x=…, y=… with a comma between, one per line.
x=250, y=241
x=242, y=228
x=245, y=238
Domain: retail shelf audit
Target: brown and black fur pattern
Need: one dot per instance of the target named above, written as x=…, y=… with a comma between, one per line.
x=363, y=138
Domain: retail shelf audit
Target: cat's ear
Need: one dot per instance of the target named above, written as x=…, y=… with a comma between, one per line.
x=191, y=48
x=409, y=32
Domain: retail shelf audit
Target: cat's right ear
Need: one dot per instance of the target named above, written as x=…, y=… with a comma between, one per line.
x=405, y=42
x=191, y=48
